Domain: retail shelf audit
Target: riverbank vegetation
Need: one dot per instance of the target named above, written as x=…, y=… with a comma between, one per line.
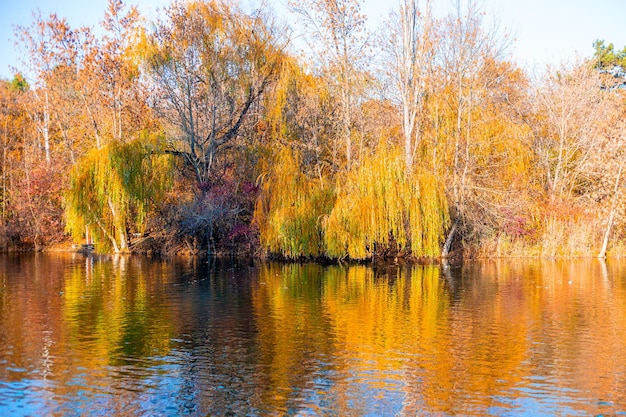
x=204, y=131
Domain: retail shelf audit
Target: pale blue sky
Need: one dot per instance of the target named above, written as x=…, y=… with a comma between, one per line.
x=545, y=30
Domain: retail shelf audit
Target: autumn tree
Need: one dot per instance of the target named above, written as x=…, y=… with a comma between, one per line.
x=499, y=188
x=337, y=33
x=31, y=188
x=569, y=104
x=380, y=210
x=599, y=188
x=84, y=94
x=291, y=207
x=113, y=101
x=296, y=172
x=14, y=122
x=410, y=44
x=53, y=55
x=112, y=190
x=209, y=64
x=466, y=44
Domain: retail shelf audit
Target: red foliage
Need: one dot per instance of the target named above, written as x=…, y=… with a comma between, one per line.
x=517, y=225
x=37, y=209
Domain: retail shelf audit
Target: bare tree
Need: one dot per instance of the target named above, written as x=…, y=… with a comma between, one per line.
x=601, y=167
x=338, y=34
x=568, y=104
x=409, y=40
x=466, y=44
x=208, y=65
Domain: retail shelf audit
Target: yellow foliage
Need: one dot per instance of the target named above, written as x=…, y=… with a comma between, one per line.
x=377, y=204
x=290, y=207
x=295, y=102
x=115, y=186
x=380, y=203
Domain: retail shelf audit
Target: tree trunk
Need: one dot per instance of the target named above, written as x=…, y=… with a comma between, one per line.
x=445, y=252
x=609, y=224
x=46, y=128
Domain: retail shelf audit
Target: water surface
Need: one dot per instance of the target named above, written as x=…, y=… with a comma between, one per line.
x=133, y=336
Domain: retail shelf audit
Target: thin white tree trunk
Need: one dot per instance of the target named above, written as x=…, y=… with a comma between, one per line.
x=46, y=127
x=609, y=223
x=445, y=252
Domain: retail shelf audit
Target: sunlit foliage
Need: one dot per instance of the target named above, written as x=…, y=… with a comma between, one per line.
x=291, y=207
x=210, y=63
x=379, y=204
x=113, y=188
x=438, y=146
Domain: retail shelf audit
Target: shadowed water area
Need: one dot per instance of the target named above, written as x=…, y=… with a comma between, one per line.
x=133, y=336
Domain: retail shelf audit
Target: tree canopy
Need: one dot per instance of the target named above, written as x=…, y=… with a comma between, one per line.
x=205, y=131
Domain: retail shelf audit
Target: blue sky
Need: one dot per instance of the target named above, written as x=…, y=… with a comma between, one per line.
x=546, y=31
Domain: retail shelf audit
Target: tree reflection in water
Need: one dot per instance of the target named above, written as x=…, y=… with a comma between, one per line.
x=122, y=335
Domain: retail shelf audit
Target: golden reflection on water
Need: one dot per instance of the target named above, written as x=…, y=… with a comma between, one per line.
x=130, y=335
x=494, y=336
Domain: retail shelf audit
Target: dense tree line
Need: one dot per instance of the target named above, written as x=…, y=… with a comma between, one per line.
x=204, y=131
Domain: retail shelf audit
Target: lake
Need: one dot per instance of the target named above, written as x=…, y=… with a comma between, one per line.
x=87, y=335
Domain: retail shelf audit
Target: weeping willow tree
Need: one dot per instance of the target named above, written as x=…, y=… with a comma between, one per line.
x=379, y=203
x=290, y=208
x=112, y=190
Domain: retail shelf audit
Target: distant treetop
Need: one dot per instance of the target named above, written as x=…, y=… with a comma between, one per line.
x=19, y=83
x=606, y=57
